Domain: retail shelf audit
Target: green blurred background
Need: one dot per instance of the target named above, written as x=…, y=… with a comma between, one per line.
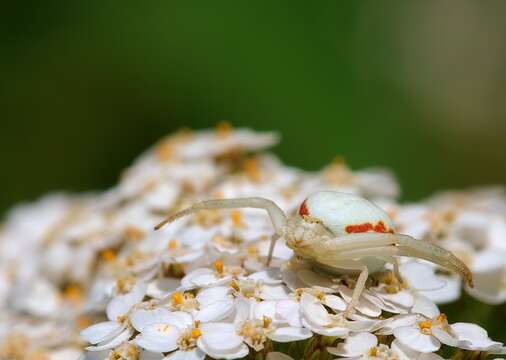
x=419, y=87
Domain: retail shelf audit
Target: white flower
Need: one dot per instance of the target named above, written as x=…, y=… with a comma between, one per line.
x=365, y=345
x=221, y=341
x=470, y=337
x=41, y=299
x=283, y=318
x=316, y=318
x=215, y=304
x=126, y=351
x=201, y=285
x=165, y=331
x=212, y=143
x=489, y=272
x=204, y=277
x=110, y=334
x=426, y=332
x=159, y=288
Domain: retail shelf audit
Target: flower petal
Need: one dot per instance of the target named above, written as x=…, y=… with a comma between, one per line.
x=288, y=334
x=354, y=345
x=159, y=338
x=160, y=288
x=269, y=276
x=209, y=295
x=110, y=344
x=215, y=311
x=447, y=294
x=219, y=339
x=425, y=307
x=288, y=311
x=101, y=332
x=334, y=302
x=142, y=318
x=421, y=276
x=195, y=354
x=274, y=292
x=411, y=337
x=121, y=304
x=364, y=305
x=313, y=310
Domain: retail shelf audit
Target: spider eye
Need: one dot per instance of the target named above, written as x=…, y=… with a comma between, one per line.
x=303, y=210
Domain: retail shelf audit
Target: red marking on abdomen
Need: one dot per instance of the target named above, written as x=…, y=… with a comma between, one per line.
x=303, y=210
x=365, y=227
x=359, y=228
x=380, y=227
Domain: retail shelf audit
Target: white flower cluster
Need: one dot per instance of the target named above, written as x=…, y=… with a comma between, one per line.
x=86, y=275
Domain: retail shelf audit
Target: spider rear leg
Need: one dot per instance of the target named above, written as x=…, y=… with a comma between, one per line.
x=362, y=245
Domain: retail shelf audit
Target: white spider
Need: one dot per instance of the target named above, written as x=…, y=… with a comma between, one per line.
x=340, y=233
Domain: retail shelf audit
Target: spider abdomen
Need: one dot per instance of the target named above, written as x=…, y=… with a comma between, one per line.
x=344, y=214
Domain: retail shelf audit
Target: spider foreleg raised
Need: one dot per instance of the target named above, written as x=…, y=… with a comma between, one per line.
x=276, y=215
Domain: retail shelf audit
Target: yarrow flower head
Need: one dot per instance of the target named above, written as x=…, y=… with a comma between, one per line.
x=86, y=275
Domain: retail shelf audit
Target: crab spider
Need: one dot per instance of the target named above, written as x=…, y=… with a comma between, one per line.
x=340, y=233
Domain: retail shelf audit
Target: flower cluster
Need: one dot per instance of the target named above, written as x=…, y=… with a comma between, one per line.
x=86, y=275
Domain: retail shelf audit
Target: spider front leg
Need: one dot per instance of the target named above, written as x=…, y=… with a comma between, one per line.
x=274, y=238
x=345, y=266
x=359, y=285
x=277, y=216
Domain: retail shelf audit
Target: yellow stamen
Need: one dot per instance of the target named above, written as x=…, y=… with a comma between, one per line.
x=252, y=250
x=122, y=319
x=83, y=321
x=134, y=233
x=172, y=244
x=218, y=239
x=373, y=351
x=177, y=298
x=234, y=285
x=425, y=324
x=133, y=351
x=164, y=151
x=441, y=318
x=425, y=327
x=108, y=255
x=223, y=128
x=236, y=218
x=196, y=333
x=391, y=289
x=251, y=168
x=218, y=265
x=266, y=321
x=162, y=327
x=441, y=321
x=125, y=284
x=73, y=293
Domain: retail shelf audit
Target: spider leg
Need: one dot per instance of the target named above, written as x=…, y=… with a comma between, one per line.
x=374, y=244
x=277, y=216
x=397, y=272
x=395, y=263
x=274, y=238
x=357, y=292
x=360, y=284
